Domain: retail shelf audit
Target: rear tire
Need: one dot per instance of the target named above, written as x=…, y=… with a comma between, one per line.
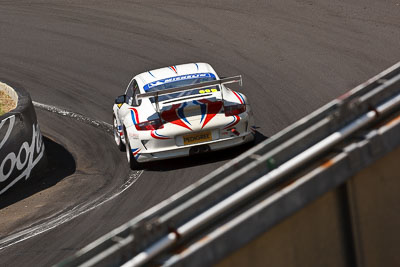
x=117, y=137
x=133, y=164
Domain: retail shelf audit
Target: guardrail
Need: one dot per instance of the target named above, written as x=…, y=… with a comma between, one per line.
x=254, y=185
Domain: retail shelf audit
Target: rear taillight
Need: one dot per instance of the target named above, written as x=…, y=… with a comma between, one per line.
x=149, y=125
x=234, y=109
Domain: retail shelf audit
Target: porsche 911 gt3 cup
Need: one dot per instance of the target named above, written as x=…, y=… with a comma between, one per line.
x=179, y=111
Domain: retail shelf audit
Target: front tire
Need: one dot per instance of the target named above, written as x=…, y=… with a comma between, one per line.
x=117, y=137
x=133, y=164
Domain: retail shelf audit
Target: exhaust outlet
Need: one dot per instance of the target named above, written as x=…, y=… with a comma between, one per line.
x=194, y=150
x=199, y=149
x=205, y=149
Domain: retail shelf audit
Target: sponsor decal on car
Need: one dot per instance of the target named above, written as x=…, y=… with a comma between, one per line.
x=173, y=68
x=240, y=97
x=176, y=115
x=235, y=121
x=173, y=114
x=135, y=152
x=213, y=109
x=182, y=115
x=177, y=78
x=197, y=138
x=203, y=109
x=134, y=115
x=120, y=131
x=156, y=135
x=134, y=135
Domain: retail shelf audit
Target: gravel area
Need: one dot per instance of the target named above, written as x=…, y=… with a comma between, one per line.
x=6, y=103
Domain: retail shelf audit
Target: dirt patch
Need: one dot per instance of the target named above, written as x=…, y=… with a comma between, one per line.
x=6, y=103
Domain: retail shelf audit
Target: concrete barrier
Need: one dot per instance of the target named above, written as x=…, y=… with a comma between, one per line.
x=354, y=225
x=21, y=145
x=375, y=212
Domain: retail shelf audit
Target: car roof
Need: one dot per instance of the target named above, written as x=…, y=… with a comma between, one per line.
x=172, y=71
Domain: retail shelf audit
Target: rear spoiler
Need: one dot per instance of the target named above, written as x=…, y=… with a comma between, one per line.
x=156, y=94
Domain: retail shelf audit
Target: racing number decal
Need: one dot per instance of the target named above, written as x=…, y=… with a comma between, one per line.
x=208, y=91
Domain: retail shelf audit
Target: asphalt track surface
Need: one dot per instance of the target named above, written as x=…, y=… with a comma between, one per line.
x=294, y=56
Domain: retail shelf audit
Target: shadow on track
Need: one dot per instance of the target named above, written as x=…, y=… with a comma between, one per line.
x=202, y=159
x=60, y=164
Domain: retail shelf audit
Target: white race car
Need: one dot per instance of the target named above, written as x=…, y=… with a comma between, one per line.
x=179, y=111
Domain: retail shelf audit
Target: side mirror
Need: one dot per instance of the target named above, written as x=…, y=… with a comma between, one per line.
x=120, y=99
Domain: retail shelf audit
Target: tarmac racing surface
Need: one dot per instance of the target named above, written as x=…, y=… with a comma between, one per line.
x=79, y=55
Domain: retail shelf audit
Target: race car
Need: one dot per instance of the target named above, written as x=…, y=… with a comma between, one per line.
x=179, y=111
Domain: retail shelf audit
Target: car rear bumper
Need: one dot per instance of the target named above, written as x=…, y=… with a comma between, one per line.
x=182, y=151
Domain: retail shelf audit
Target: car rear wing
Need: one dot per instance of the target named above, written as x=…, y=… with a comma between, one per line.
x=156, y=94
